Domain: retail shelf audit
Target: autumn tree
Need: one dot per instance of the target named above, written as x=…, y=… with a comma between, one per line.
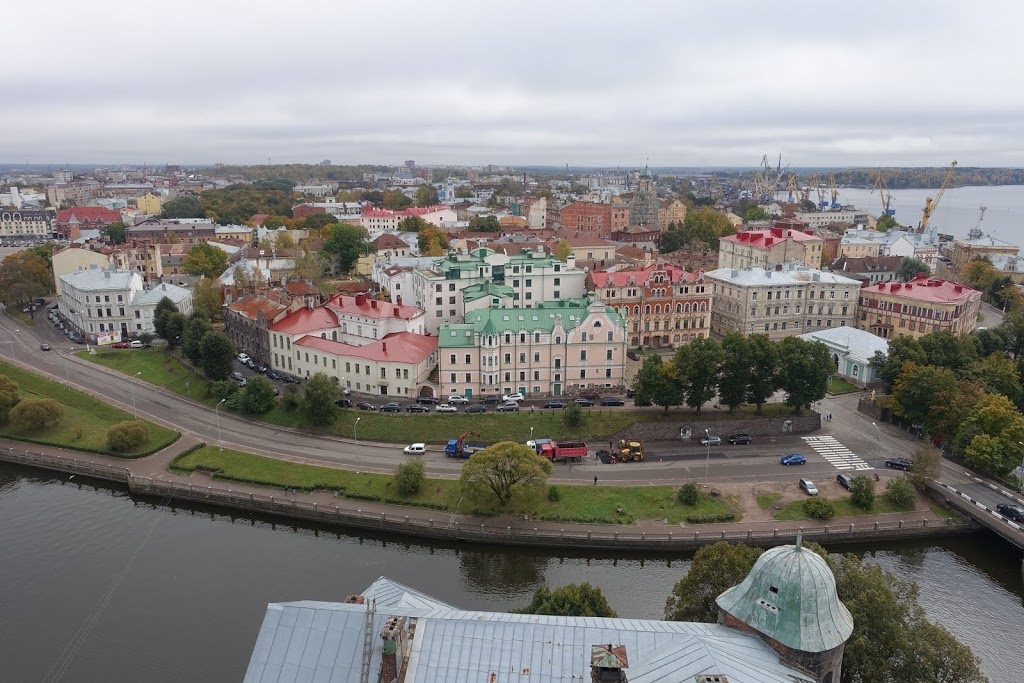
x=206, y=299
x=432, y=241
x=412, y=224
x=346, y=244
x=240, y=277
x=310, y=266
x=915, y=390
x=910, y=268
x=206, y=260
x=705, y=226
x=572, y=600
x=484, y=224
x=33, y=414
x=713, y=569
x=505, y=477
x=426, y=195
x=395, y=200
x=23, y=277
x=563, y=250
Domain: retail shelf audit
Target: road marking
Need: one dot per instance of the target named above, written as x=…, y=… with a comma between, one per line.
x=838, y=455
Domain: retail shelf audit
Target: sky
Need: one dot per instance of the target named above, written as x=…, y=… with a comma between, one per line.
x=678, y=83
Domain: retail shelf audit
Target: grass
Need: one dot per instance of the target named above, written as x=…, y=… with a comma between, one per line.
x=766, y=501
x=156, y=367
x=838, y=385
x=86, y=419
x=598, y=504
x=794, y=511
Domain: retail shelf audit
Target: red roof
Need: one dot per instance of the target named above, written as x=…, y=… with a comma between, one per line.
x=402, y=347
x=370, y=212
x=362, y=305
x=250, y=306
x=765, y=239
x=304, y=321
x=621, y=278
x=258, y=218
x=88, y=213
x=389, y=241
x=924, y=288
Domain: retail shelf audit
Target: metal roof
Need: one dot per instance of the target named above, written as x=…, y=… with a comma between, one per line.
x=791, y=274
x=173, y=292
x=93, y=279
x=859, y=345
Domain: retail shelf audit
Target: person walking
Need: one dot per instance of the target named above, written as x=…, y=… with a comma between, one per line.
x=595, y=480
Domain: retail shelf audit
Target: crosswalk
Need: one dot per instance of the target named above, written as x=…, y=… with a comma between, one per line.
x=838, y=455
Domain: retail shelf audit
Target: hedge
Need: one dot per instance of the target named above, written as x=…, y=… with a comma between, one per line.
x=97, y=451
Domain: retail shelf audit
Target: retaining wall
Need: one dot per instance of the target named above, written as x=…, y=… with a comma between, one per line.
x=718, y=425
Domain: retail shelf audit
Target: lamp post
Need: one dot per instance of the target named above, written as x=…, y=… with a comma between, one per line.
x=878, y=445
x=135, y=410
x=707, y=460
x=67, y=377
x=355, y=434
x=216, y=412
x=12, y=342
x=531, y=433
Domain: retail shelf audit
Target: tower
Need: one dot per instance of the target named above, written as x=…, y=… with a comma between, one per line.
x=643, y=210
x=789, y=600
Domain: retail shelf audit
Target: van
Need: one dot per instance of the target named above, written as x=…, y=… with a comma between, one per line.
x=415, y=449
x=844, y=480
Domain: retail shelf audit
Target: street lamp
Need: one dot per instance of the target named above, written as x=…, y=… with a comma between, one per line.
x=216, y=412
x=132, y=385
x=531, y=433
x=707, y=461
x=12, y=342
x=355, y=434
x=67, y=377
x=878, y=445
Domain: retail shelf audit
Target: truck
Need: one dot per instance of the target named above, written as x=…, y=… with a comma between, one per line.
x=561, y=451
x=462, y=449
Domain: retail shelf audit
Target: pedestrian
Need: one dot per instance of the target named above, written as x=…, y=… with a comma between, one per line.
x=595, y=480
x=611, y=444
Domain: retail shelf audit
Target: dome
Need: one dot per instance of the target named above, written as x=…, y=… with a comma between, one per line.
x=790, y=596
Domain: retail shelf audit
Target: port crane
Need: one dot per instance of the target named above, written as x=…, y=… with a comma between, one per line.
x=883, y=192
x=792, y=189
x=833, y=190
x=931, y=204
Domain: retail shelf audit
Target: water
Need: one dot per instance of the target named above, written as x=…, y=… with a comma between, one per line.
x=193, y=583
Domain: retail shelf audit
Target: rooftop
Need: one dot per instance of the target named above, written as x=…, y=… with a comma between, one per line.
x=859, y=344
x=766, y=239
x=641, y=276
x=402, y=347
x=250, y=306
x=94, y=278
x=924, y=288
x=363, y=305
x=542, y=317
x=791, y=274
x=153, y=296
x=88, y=213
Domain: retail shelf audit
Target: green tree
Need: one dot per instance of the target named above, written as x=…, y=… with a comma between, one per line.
x=346, y=244
x=310, y=266
x=432, y=241
x=980, y=273
x=116, y=232
x=755, y=213
x=485, y=224
x=8, y=397
x=901, y=493
x=319, y=393
x=915, y=390
x=395, y=200
x=240, y=276
x=506, y=477
x=290, y=399
x=818, y=507
x=804, y=370
x=217, y=356
x=901, y=350
x=410, y=477
x=764, y=375
x=910, y=268
x=992, y=434
x=563, y=250
x=464, y=192
x=714, y=569
x=127, y=436
x=206, y=260
x=164, y=307
x=698, y=365
x=192, y=335
x=736, y=372
x=183, y=206
x=174, y=326
x=413, y=224
x=945, y=350
x=572, y=600
x=426, y=195
x=36, y=413
x=206, y=299
x=257, y=397
x=862, y=492
x=992, y=340
x=886, y=223
x=927, y=466
x=572, y=416
x=706, y=227
x=656, y=383
x=318, y=221
x=688, y=494
x=996, y=374
x=274, y=222
x=672, y=239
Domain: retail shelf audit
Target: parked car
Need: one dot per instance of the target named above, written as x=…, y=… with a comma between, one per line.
x=136, y=344
x=1014, y=513
x=426, y=400
x=44, y=347
x=739, y=438
x=365, y=405
x=292, y=380
x=899, y=463
x=793, y=459
x=242, y=382
x=555, y=404
x=415, y=449
x=583, y=402
x=476, y=408
x=118, y=345
x=458, y=400
x=446, y=408
x=490, y=399
x=512, y=397
x=237, y=376
x=343, y=402
x=612, y=401
x=272, y=375
x=262, y=369
x=808, y=486
x=710, y=440
x=391, y=408
x=845, y=480
x=509, y=407
x=243, y=358
x=416, y=408
x=251, y=364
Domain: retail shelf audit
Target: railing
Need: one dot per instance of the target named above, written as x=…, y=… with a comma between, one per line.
x=65, y=464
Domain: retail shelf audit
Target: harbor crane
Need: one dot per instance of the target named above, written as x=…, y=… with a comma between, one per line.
x=792, y=189
x=883, y=192
x=833, y=190
x=931, y=204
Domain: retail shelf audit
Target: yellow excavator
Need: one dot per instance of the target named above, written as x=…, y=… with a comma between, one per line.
x=630, y=451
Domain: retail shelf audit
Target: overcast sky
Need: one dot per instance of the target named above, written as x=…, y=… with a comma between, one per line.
x=596, y=83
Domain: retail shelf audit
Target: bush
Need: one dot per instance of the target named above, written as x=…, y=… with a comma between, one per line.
x=257, y=397
x=572, y=416
x=410, y=477
x=223, y=389
x=862, y=492
x=37, y=413
x=128, y=435
x=688, y=494
x=819, y=508
x=8, y=396
x=901, y=493
x=711, y=519
x=554, y=494
x=290, y=398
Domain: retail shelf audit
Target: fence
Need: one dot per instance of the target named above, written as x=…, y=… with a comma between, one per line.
x=65, y=464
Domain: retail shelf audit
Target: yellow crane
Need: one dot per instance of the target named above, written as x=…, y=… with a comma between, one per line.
x=833, y=190
x=883, y=192
x=805, y=192
x=792, y=189
x=931, y=204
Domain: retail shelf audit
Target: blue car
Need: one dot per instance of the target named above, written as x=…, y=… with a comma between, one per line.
x=793, y=459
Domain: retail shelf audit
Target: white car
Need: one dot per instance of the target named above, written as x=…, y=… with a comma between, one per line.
x=516, y=398
x=243, y=358
x=458, y=400
x=415, y=449
x=446, y=408
x=136, y=344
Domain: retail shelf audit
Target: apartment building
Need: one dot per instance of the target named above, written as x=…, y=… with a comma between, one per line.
x=377, y=221
x=663, y=305
x=964, y=251
x=919, y=307
x=553, y=348
x=788, y=300
x=871, y=270
x=25, y=223
x=854, y=246
x=173, y=231
x=765, y=248
x=594, y=219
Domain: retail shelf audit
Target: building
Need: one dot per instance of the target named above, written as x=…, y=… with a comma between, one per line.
x=766, y=248
x=821, y=219
x=965, y=251
x=377, y=221
x=173, y=231
x=851, y=350
x=394, y=633
x=144, y=258
x=70, y=222
x=643, y=209
x=554, y=348
x=389, y=246
x=590, y=219
x=663, y=305
x=788, y=300
x=591, y=251
x=75, y=194
x=248, y=319
x=75, y=258
x=853, y=246
x=144, y=305
x=871, y=270
x=919, y=307
x=25, y=223
x=674, y=212
x=63, y=176
x=148, y=204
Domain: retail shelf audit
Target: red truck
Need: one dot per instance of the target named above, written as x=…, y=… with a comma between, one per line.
x=555, y=451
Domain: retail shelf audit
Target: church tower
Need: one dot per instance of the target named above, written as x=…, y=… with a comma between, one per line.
x=644, y=208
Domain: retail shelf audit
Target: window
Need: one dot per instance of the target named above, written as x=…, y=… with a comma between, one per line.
x=558, y=281
x=439, y=300
x=469, y=359
x=583, y=354
x=529, y=282
x=536, y=337
x=508, y=376
x=522, y=376
x=508, y=357
x=522, y=358
x=607, y=372
x=451, y=359
x=583, y=373
x=451, y=287
x=469, y=378
x=558, y=362
x=383, y=373
x=536, y=357
x=608, y=354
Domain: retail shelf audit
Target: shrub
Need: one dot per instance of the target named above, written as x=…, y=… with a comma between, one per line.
x=410, y=477
x=8, y=396
x=688, y=494
x=257, y=397
x=711, y=519
x=819, y=508
x=572, y=416
x=290, y=398
x=901, y=493
x=862, y=492
x=554, y=494
x=127, y=435
x=37, y=413
x=222, y=389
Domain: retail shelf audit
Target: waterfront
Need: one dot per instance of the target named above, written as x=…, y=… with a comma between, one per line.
x=191, y=601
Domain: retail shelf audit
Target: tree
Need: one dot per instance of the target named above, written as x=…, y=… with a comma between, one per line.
x=996, y=374
x=318, y=221
x=164, y=307
x=206, y=299
x=697, y=365
x=257, y=397
x=980, y=273
x=432, y=241
x=714, y=569
x=572, y=600
x=886, y=223
x=206, y=260
x=563, y=250
x=192, y=334
x=910, y=268
x=506, y=477
x=926, y=466
x=395, y=200
x=183, y=206
x=310, y=266
x=705, y=226
x=23, y=277
x=410, y=477
x=736, y=371
x=804, y=370
x=464, y=192
x=915, y=390
x=318, y=399
x=992, y=434
x=116, y=232
x=240, y=276
x=127, y=436
x=655, y=383
x=174, y=327
x=755, y=213
x=217, y=356
x=688, y=494
x=572, y=416
x=485, y=224
x=346, y=244
x=764, y=375
x=290, y=399
x=426, y=195
x=8, y=397
x=274, y=222
x=901, y=493
x=992, y=340
x=862, y=492
x=412, y=224
x=901, y=350
x=944, y=350
x=36, y=413
x=818, y=507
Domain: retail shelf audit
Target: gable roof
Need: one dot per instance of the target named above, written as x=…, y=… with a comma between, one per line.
x=766, y=239
x=859, y=344
x=389, y=241
x=88, y=213
x=401, y=347
x=642, y=276
x=307, y=320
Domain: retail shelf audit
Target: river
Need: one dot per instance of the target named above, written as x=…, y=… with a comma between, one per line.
x=132, y=589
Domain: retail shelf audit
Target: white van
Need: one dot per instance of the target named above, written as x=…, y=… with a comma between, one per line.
x=415, y=449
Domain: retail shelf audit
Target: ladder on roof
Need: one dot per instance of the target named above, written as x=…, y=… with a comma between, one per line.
x=364, y=670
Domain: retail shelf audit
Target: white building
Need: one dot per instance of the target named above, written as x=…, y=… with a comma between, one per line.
x=63, y=176
x=144, y=305
x=25, y=223
x=851, y=350
x=377, y=221
x=821, y=219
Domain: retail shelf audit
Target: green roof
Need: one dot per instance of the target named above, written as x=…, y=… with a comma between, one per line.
x=482, y=289
x=541, y=317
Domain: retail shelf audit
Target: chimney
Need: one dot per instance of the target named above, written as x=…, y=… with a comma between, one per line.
x=384, y=347
x=361, y=299
x=607, y=663
x=392, y=649
x=398, y=302
x=373, y=304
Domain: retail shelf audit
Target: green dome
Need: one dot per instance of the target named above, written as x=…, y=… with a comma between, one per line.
x=790, y=596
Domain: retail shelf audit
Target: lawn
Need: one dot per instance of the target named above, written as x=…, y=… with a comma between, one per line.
x=86, y=419
x=766, y=501
x=156, y=367
x=838, y=385
x=794, y=511
x=599, y=504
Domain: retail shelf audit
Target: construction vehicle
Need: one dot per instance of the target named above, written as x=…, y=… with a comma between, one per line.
x=561, y=451
x=630, y=451
x=931, y=204
x=460, y=448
